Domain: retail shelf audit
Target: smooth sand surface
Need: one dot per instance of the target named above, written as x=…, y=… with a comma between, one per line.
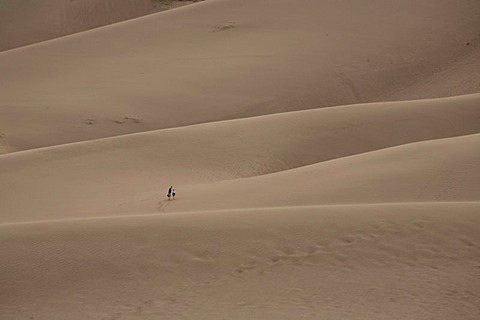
x=131, y=173
x=325, y=154
x=28, y=22
x=223, y=59
x=416, y=261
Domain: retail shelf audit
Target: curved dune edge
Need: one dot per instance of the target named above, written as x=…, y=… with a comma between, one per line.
x=24, y=23
x=436, y=170
x=220, y=60
x=245, y=210
x=368, y=261
x=128, y=174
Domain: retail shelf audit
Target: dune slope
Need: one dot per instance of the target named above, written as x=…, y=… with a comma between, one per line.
x=24, y=23
x=224, y=59
x=344, y=262
x=115, y=175
x=27, y=22
x=437, y=170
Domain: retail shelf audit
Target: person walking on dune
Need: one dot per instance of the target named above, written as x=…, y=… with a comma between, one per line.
x=173, y=193
x=169, y=194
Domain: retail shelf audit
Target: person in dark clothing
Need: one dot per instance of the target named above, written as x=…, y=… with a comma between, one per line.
x=169, y=194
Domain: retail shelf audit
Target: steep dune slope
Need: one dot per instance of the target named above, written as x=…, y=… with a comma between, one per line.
x=225, y=59
x=130, y=173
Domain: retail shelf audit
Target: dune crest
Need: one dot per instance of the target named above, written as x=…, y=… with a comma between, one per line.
x=28, y=22
x=127, y=174
x=234, y=59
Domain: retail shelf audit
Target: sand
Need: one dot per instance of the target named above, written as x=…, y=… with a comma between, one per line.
x=325, y=156
x=28, y=22
x=357, y=262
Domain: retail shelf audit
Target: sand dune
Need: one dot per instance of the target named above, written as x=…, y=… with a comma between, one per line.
x=235, y=59
x=27, y=22
x=325, y=155
x=453, y=78
x=354, y=262
x=107, y=176
x=438, y=170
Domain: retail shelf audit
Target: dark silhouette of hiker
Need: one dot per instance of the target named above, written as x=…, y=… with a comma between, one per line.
x=173, y=193
x=169, y=192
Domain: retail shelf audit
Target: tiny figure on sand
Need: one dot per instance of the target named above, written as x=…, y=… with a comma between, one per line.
x=171, y=193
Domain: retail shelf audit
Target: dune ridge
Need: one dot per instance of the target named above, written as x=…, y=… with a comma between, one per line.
x=115, y=173
x=398, y=174
x=235, y=60
x=149, y=214
x=25, y=23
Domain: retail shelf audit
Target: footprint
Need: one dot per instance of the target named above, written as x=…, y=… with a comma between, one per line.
x=225, y=26
x=467, y=242
x=243, y=268
x=116, y=316
x=312, y=250
x=149, y=303
x=202, y=256
x=127, y=120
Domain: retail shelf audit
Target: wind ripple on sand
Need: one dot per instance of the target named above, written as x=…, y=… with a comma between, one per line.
x=405, y=258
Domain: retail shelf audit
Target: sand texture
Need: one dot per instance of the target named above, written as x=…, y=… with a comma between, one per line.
x=326, y=157
x=28, y=22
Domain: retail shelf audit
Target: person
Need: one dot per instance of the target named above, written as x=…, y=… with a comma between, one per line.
x=173, y=193
x=169, y=192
